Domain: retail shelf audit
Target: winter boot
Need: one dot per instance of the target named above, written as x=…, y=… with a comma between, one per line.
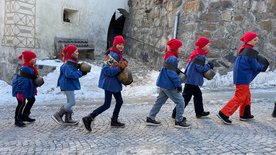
x=26, y=118
x=203, y=114
x=87, y=120
x=68, y=118
x=224, y=118
x=27, y=110
x=19, y=123
x=247, y=114
x=274, y=112
x=57, y=117
x=116, y=123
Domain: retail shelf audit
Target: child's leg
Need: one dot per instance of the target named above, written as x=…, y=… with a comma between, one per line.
x=118, y=105
x=178, y=99
x=161, y=99
x=27, y=110
x=71, y=100
x=236, y=101
x=18, y=112
x=245, y=108
x=105, y=106
x=187, y=95
x=198, y=103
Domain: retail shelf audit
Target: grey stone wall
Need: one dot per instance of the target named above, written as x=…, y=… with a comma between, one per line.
x=151, y=24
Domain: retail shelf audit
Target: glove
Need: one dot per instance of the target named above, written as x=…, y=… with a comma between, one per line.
x=79, y=66
x=83, y=73
x=122, y=64
x=179, y=89
x=20, y=97
x=211, y=65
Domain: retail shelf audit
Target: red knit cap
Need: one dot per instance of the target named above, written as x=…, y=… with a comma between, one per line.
x=68, y=51
x=201, y=42
x=248, y=36
x=118, y=40
x=27, y=55
x=174, y=44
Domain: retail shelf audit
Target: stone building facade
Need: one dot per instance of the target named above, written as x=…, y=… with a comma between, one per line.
x=151, y=23
x=33, y=24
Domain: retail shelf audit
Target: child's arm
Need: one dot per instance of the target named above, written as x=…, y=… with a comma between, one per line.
x=111, y=71
x=71, y=73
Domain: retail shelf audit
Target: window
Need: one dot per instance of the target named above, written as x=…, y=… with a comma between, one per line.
x=70, y=16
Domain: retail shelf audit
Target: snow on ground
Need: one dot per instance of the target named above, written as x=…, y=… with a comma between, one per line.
x=143, y=88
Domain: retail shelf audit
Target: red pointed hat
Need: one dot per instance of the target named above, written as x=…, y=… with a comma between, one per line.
x=174, y=44
x=248, y=36
x=202, y=41
x=68, y=51
x=118, y=40
x=27, y=55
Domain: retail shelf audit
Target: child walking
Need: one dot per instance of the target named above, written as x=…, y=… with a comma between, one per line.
x=23, y=88
x=246, y=68
x=170, y=87
x=68, y=82
x=114, y=63
x=196, y=67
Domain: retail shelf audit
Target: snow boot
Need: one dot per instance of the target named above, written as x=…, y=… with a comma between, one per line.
x=68, y=118
x=87, y=120
x=57, y=117
x=247, y=114
x=116, y=123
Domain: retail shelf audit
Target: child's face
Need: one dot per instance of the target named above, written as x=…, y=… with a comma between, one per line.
x=75, y=55
x=33, y=61
x=206, y=47
x=120, y=47
x=254, y=41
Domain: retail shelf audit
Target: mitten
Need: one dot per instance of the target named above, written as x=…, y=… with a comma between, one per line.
x=122, y=64
x=83, y=73
x=20, y=97
x=211, y=65
x=79, y=66
x=179, y=89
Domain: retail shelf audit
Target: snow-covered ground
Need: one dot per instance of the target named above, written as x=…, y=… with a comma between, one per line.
x=144, y=87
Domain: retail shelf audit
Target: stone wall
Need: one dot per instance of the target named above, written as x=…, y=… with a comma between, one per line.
x=151, y=24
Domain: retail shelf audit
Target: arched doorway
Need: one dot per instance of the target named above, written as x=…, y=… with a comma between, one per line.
x=116, y=25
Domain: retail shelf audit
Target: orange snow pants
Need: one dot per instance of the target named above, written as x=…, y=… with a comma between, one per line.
x=241, y=99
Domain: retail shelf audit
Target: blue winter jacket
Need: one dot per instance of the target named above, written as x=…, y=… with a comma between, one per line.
x=68, y=79
x=22, y=84
x=108, y=78
x=195, y=70
x=245, y=69
x=167, y=78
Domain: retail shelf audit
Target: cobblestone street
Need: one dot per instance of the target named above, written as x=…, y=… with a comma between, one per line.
x=206, y=136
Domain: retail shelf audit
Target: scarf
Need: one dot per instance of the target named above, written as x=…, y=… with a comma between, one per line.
x=243, y=47
x=196, y=52
x=32, y=66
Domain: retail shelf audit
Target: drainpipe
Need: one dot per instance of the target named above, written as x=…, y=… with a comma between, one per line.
x=176, y=24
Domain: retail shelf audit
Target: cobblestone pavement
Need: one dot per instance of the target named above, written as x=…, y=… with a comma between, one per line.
x=206, y=136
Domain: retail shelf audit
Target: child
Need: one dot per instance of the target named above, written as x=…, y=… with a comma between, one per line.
x=246, y=68
x=196, y=67
x=113, y=65
x=23, y=88
x=68, y=82
x=170, y=87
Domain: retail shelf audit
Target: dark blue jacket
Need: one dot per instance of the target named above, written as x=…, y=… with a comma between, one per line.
x=22, y=84
x=195, y=70
x=167, y=78
x=108, y=78
x=245, y=69
x=68, y=79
